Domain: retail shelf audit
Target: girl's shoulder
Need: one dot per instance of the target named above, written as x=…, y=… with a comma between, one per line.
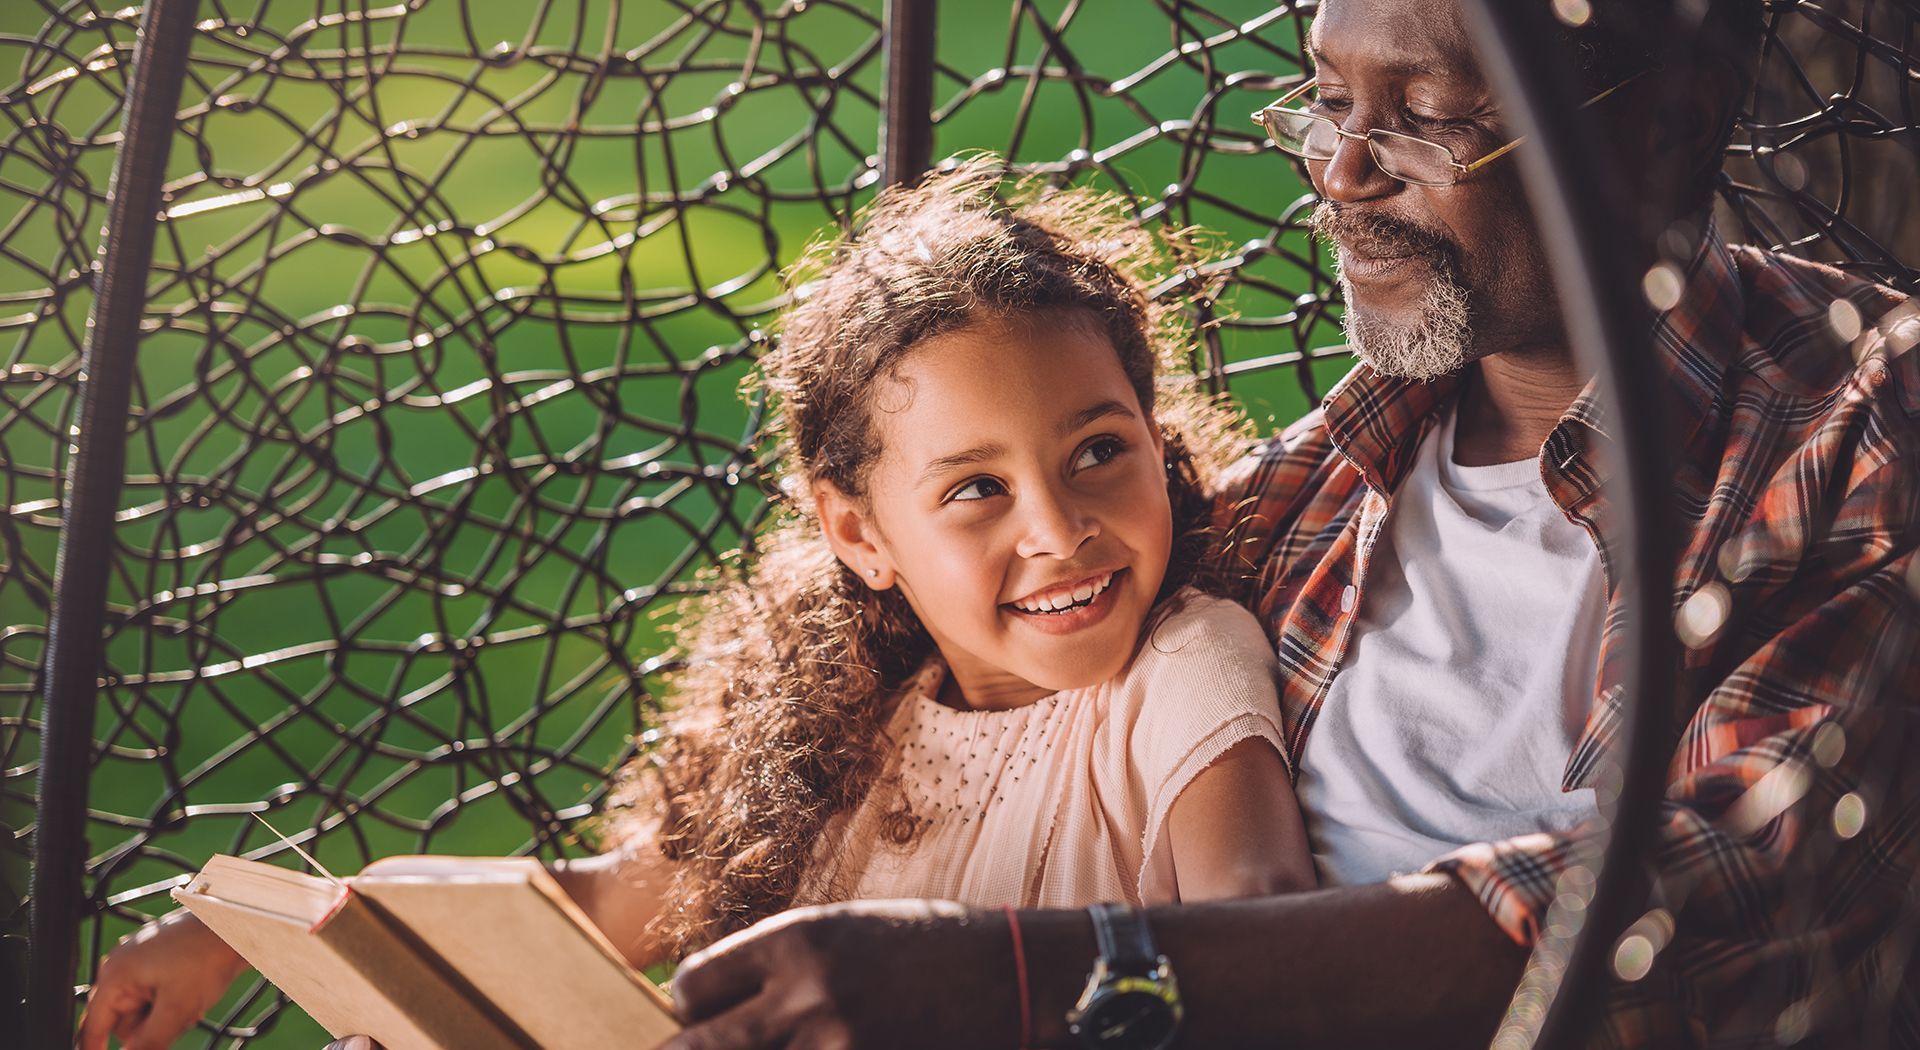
x=1205, y=660
x=1203, y=628
x=1205, y=678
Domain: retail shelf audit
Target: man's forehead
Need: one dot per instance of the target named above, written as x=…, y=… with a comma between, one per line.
x=1394, y=38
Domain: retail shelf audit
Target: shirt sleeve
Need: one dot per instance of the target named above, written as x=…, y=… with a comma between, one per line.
x=1207, y=683
x=1788, y=843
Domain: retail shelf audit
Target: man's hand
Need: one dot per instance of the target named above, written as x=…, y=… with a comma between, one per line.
x=864, y=974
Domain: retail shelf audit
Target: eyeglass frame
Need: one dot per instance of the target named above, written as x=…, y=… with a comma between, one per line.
x=1373, y=149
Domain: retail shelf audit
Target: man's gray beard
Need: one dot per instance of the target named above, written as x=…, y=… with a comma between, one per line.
x=1439, y=343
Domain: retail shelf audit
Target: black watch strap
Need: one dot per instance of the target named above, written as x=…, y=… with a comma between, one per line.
x=1123, y=938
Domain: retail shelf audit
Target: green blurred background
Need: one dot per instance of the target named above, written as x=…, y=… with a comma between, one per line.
x=436, y=406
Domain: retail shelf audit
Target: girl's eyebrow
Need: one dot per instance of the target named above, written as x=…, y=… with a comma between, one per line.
x=976, y=454
x=1099, y=410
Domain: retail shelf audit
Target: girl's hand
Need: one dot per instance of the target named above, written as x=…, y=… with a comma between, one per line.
x=157, y=983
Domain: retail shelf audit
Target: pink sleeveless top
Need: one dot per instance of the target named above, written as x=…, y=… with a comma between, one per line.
x=1063, y=802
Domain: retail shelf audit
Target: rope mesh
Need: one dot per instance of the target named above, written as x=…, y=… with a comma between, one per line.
x=435, y=409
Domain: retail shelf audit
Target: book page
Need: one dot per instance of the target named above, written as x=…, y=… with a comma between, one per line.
x=514, y=935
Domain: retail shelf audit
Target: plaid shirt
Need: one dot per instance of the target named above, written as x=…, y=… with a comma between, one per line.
x=1789, y=842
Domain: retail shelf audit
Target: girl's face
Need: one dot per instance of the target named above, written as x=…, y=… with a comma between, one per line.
x=1020, y=504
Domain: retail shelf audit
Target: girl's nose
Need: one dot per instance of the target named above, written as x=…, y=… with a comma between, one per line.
x=1056, y=526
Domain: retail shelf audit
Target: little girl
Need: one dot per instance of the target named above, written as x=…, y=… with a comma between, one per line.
x=974, y=661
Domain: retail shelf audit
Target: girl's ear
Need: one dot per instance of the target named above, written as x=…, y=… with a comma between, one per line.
x=852, y=536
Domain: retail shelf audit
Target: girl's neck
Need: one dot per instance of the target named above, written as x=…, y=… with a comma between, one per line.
x=983, y=689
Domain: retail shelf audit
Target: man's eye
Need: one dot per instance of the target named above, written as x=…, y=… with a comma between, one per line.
x=1427, y=123
x=1099, y=451
x=1330, y=104
x=976, y=489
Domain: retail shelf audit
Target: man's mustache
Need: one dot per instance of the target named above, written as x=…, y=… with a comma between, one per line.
x=1381, y=236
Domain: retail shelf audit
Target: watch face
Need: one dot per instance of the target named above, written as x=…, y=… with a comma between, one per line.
x=1128, y=1019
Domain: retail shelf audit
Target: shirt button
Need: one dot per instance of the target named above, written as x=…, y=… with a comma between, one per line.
x=1347, y=598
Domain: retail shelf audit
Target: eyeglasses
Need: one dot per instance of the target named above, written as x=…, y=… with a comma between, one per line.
x=1408, y=158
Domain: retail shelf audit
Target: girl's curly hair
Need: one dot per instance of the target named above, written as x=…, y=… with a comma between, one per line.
x=778, y=722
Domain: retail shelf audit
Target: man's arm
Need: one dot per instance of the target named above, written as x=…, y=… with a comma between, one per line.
x=1412, y=961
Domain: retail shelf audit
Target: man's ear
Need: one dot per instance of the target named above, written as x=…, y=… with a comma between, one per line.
x=1687, y=136
x=852, y=536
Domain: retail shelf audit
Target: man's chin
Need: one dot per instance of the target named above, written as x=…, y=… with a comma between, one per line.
x=1414, y=352
x=1425, y=343
x=1406, y=366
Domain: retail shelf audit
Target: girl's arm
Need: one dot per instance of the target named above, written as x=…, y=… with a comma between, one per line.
x=157, y=983
x=621, y=891
x=1236, y=831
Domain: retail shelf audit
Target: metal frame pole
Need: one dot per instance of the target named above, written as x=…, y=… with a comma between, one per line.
x=906, y=118
x=1577, y=192
x=69, y=686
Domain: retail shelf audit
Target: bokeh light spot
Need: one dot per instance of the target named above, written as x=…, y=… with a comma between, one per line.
x=1844, y=318
x=1703, y=614
x=1662, y=286
x=1793, y=1024
x=1849, y=815
x=1633, y=957
x=1829, y=745
x=1573, y=12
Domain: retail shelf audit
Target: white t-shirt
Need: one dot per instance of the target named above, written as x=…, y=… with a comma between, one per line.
x=1468, y=678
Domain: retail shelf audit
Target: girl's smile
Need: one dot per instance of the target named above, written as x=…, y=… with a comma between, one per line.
x=1071, y=607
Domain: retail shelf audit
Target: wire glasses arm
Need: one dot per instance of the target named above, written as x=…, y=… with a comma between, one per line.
x=1508, y=148
x=1283, y=100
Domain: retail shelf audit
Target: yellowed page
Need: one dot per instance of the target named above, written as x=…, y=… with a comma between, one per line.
x=520, y=941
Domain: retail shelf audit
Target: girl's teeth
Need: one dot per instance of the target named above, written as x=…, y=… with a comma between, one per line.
x=1080, y=594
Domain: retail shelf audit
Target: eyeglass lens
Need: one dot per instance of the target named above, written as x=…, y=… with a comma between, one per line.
x=1401, y=156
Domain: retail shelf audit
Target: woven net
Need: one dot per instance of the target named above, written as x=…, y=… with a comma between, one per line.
x=435, y=410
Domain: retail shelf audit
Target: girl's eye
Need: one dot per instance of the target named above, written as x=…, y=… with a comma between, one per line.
x=1099, y=451
x=976, y=489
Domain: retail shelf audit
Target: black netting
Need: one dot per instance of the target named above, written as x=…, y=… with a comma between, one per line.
x=434, y=412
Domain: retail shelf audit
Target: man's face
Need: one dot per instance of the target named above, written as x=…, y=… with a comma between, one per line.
x=1434, y=277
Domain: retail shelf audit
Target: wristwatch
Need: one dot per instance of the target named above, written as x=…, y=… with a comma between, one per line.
x=1131, y=1001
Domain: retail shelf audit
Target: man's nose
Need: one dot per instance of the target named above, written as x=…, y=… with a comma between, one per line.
x=1352, y=174
x=1056, y=525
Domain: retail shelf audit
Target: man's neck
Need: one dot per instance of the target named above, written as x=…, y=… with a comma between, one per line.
x=1510, y=402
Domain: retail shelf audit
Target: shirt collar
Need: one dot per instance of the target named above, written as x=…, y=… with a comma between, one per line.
x=1377, y=421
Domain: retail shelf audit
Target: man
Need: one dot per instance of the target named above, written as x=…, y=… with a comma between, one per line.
x=1434, y=534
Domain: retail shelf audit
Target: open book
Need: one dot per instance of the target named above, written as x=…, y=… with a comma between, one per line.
x=434, y=953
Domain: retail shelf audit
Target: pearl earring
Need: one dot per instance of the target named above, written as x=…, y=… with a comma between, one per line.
x=873, y=572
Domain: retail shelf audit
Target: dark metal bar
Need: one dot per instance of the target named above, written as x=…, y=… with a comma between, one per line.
x=1577, y=193
x=74, y=632
x=906, y=118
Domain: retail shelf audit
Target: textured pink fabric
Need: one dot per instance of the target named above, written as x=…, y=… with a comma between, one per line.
x=1061, y=803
